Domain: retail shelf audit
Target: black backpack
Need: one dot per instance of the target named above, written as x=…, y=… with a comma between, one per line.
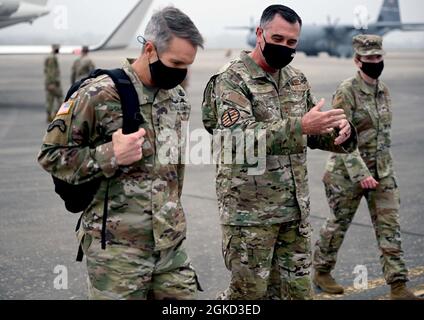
x=78, y=197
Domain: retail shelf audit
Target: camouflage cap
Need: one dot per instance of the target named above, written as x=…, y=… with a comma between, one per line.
x=368, y=45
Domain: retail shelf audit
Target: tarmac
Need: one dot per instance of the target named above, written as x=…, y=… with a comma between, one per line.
x=37, y=234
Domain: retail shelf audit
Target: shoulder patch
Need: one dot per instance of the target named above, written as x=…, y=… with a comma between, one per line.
x=65, y=107
x=59, y=123
x=226, y=66
x=230, y=117
x=236, y=98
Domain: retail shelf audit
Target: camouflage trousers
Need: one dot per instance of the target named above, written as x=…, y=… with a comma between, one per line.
x=267, y=262
x=383, y=203
x=123, y=272
x=54, y=99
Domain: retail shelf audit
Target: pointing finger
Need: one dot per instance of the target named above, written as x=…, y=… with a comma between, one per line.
x=319, y=106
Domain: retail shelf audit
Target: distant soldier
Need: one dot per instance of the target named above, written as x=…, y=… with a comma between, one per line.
x=265, y=217
x=145, y=255
x=54, y=94
x=82, y=67
x=366, y=173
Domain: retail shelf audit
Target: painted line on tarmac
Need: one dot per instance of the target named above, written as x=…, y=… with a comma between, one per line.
x=372, y=284
x=358, y=224
x=20, y=150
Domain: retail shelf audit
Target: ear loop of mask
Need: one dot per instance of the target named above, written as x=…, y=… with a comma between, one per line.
x=263, y=37
x=142, y=40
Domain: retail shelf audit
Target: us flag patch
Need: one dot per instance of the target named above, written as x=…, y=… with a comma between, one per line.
x=65, y=107
x=230, y=117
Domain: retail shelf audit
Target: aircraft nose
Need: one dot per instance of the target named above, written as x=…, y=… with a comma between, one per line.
x=30, y=10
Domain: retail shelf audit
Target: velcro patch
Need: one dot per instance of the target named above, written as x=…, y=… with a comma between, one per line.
x=74, y=95
x=299, y=84
x=238, y=99
x=59, y=123
x=300, y=87
x=65, y=108
x=230, y=117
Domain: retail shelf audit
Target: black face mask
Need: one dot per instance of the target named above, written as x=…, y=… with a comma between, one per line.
x=165, y=77
x=373, y=70
x=277, y=56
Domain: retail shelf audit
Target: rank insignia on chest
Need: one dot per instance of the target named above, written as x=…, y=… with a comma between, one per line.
x=299, y=84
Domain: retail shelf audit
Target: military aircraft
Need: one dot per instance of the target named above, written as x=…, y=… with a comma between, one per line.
x=14, y=12
x=336, y=39
x=119, y=38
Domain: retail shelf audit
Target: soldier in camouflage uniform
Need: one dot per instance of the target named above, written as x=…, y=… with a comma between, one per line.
x=265, y=217
x=145, y=255
x=82, y=67
x=367, y=172
x=54, y=94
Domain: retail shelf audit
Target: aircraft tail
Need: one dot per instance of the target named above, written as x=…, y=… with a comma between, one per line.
x=125, y=31
x=389, y=12
x=389, y=19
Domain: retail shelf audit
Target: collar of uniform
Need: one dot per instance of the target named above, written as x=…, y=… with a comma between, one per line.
x=145, y=94
x=366, y=88
x=255, y=71
x=287, y=74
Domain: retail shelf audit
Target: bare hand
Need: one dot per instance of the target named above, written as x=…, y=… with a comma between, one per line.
x=317, y=122
x=127, y=148
x=344, y=134
x=369, y=183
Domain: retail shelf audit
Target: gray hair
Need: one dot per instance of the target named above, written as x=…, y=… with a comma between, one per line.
x=170, y=22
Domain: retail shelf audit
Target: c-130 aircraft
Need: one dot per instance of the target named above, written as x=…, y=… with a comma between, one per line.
x=336, y=39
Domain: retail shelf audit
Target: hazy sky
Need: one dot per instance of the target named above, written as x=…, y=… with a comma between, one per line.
x=94, y=19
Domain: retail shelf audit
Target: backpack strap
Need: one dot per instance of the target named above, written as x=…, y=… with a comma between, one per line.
x=131, y=116
x=131, y=121
x=128, y=96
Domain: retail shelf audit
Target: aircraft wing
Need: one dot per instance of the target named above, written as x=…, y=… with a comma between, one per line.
x=23, y=49
x=118, y=39
x=412, y=26
x=400, y=26
x=39, y=2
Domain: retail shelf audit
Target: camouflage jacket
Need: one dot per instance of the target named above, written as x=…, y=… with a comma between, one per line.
x=81, y=68
x=253, y=97
x=144, y=198
x=369, y=109
x=51, y=70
